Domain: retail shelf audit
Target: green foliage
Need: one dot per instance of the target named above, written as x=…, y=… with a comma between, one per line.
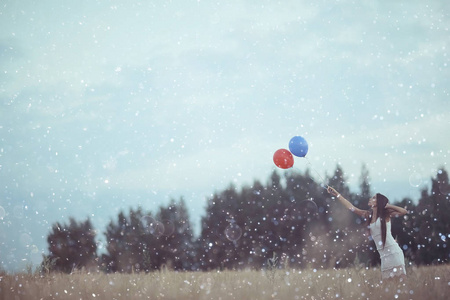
x=431, y=222
x=126, y=243
x=246, y=228
x=143, y=242
x=71, y=246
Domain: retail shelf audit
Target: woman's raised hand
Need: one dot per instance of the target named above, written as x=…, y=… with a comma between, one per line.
x=332, y=191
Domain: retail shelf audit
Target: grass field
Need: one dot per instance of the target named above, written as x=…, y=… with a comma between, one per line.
x=431, y=282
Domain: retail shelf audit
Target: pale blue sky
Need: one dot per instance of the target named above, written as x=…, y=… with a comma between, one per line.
x=112, y=104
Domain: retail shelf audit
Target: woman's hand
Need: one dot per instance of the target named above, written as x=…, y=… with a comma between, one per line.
x=347, y=204
x=332, y=191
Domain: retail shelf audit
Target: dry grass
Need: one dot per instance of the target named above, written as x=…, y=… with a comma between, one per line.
x=422, y=283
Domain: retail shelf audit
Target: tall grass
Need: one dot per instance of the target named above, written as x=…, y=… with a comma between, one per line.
x=422, y=283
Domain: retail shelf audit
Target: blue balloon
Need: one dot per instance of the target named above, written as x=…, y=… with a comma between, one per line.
x=298, y=146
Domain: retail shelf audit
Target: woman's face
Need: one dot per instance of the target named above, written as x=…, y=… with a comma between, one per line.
x=373, y=201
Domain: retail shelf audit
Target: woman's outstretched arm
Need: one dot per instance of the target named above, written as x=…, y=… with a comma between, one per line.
x=347, y=203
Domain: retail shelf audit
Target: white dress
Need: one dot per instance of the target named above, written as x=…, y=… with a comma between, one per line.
x=392, y=258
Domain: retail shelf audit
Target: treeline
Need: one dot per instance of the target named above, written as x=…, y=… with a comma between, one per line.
x=291, y=217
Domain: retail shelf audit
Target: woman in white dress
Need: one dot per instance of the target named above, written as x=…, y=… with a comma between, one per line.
x=379, y=219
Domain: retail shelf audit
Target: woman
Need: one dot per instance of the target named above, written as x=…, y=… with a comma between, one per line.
x=379, y=224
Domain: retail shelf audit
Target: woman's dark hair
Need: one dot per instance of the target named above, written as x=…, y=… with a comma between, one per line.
x=382, y=213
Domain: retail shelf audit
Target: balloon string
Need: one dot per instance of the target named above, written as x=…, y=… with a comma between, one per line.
x=323, y=181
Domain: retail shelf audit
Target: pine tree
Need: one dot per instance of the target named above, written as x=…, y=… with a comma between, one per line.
x=305, y=221
x=176, y=243
x=219, y=248
x=128, y=242
x=432, y=222
x=72, y=246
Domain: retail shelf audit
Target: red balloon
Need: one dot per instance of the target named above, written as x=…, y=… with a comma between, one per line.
x=283, y=159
